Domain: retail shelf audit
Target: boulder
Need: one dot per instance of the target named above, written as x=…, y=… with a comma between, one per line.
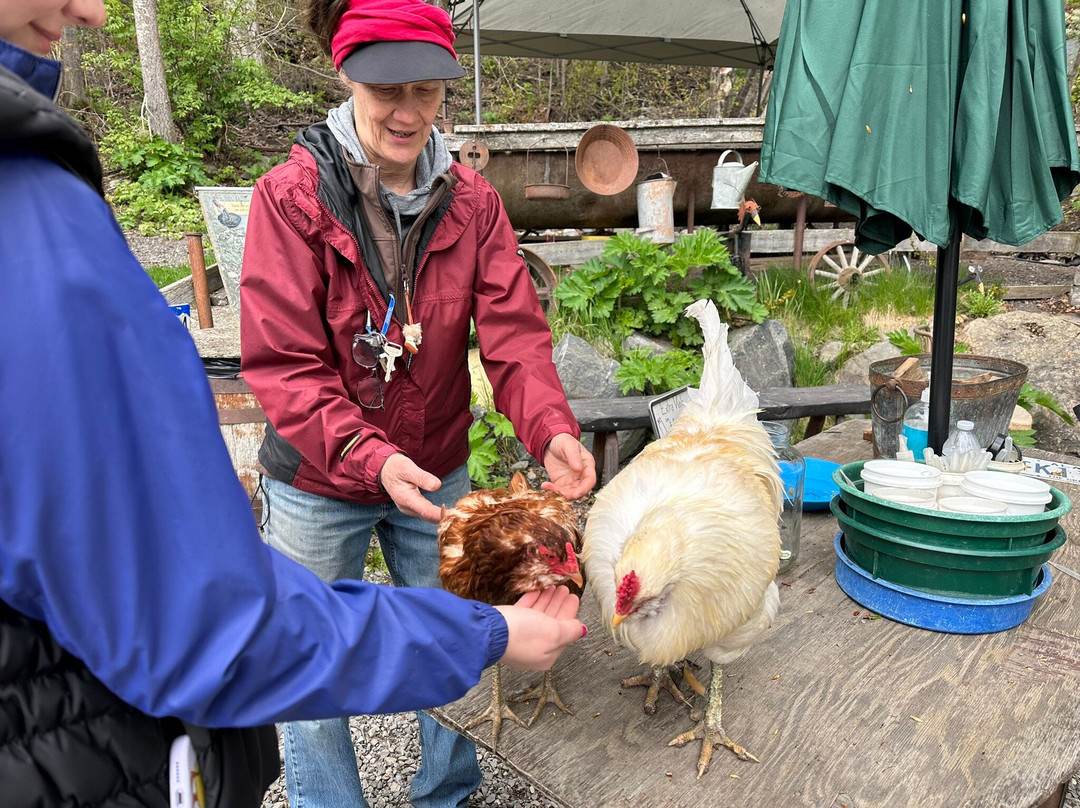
x=857, y=369
x=1050, y=347
x=654, y=346
x=586, y=374
x=763, y=354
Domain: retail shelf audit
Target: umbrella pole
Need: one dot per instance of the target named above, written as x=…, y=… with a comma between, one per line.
x=944, y=333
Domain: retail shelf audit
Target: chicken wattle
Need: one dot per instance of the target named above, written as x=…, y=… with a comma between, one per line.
x=495, y=545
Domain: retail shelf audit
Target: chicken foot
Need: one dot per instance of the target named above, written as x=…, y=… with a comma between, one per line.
x=545, y=693
x=710, y=730
x=496, y=710
x=657, y=677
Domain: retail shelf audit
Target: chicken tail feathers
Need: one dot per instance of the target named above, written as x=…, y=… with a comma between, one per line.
x=722, y=393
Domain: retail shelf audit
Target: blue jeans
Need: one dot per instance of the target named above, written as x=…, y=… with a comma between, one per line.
x=331, y=537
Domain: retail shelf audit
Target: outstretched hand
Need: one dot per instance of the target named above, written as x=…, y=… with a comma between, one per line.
x=403, y=481
x=541, y=625
x=569, y=466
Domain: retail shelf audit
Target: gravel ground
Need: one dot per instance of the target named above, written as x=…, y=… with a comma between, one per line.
x=388, y=751
x=157, y=251
x=387, y=746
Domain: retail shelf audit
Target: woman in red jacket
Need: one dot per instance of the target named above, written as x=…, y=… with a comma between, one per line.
x=368, y=253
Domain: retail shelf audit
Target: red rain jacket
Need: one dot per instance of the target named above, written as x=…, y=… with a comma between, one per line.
x=305, y=293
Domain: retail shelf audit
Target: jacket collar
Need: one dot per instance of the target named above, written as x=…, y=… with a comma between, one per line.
x=41, y=73
x=30, y=121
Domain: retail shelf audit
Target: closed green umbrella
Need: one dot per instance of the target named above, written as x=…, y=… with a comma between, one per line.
x=941, y=118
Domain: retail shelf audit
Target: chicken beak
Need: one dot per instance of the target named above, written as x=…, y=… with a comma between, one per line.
x=577, y=579
x=616, y=620
x=756, y=218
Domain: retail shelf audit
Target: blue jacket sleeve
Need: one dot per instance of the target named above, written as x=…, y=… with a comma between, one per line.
x=125, y=529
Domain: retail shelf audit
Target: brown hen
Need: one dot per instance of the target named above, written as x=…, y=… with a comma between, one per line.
x=495, y=545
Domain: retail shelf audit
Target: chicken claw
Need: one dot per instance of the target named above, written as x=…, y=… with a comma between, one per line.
x=496, y=711
x=710, y=730
x=545, y=693
x=656, y=677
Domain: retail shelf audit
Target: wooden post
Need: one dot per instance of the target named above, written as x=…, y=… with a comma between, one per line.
x=198, y=279
x=690, y=211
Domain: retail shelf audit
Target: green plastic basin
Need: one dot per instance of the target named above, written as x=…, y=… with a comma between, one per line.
x=941, y=527
x=941, y=570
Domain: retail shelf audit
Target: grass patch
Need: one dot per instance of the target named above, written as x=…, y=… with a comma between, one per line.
x=163, y=276
x=899, y=299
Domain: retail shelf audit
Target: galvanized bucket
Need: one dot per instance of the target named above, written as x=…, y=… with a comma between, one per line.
x=656, y=211
x=989, y=404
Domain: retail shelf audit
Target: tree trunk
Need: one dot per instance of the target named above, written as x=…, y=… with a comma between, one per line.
x=719, y=89
x=245, y=32
x=73, y=87
x=156, y=102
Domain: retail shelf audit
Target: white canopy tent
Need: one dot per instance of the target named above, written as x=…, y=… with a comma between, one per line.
x=718, y=33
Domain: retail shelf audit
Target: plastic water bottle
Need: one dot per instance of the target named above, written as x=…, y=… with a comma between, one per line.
x=960, y=440
x=917, y=424
x=793, y=476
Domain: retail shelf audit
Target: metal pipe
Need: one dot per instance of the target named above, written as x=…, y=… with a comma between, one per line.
x=944, y=333
x=198, y=279
x=476, y=56
x=800, y=231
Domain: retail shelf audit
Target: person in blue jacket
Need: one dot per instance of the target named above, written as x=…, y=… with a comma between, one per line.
x=135, y=593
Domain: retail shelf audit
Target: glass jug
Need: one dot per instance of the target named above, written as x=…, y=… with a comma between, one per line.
x=793, y=476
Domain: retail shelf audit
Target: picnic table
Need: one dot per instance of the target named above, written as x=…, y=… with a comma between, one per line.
x=844, y=708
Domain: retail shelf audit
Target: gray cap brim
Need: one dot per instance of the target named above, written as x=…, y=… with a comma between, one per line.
x=400, y=63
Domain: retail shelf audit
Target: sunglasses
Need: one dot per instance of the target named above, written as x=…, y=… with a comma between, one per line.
x=366, y=350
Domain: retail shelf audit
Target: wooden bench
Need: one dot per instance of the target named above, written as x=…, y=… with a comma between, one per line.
x=603, y=416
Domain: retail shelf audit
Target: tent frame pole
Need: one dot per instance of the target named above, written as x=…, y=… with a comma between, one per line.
x=476, y=57
x=944, y=333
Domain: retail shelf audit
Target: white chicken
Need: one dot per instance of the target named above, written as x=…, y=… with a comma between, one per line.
x=681, y=548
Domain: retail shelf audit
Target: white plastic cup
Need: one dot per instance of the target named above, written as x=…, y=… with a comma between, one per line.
x=885, y=473
x=972, y=505
x=916, y=497
x=1021, y=495
x=950, y=484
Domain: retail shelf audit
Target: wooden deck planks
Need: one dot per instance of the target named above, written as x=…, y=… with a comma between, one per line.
x=826, y=699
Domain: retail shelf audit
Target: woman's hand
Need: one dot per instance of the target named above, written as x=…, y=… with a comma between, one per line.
x=541, y=624
x=569, y=466
x=403, y=480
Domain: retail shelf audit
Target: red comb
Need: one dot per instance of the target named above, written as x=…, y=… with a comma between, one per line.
x=627, y=591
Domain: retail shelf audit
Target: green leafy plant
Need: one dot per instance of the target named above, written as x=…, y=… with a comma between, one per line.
x=985, y=303
x=1022, y=437
x=642, y=286
x=1029, y=396
x=908, y=345
x=643, y=372
x=152, y=213
x=485, y=436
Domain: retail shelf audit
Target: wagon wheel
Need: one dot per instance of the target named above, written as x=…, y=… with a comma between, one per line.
x=834, y=268
x=543, y=278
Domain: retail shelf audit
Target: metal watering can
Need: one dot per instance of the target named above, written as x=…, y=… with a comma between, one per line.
x=730, y=180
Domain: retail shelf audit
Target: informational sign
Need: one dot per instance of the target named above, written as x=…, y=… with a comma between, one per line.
x=226, y=213
x=664, y=409
x=1051, y=470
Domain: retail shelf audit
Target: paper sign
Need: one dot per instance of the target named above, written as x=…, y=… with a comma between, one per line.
x=225, y=210
x=664, y=409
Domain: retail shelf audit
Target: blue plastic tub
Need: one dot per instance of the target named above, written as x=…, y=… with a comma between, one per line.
x=933, y=612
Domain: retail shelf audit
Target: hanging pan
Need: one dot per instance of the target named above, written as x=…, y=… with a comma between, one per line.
x=548, y=189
